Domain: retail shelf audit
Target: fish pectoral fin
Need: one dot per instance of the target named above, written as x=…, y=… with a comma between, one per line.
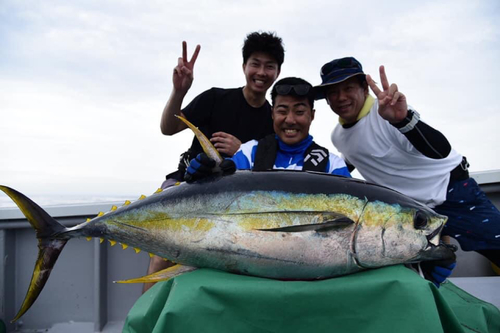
x=336, y=221
x=163, y=275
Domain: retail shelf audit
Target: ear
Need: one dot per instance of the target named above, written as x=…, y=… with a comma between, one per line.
x=313, y=112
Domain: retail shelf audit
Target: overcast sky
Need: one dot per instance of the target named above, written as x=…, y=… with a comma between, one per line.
x=83, y=83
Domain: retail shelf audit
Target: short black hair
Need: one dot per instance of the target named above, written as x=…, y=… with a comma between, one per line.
x=362, y=80
x=294, y=81
x=266, y=42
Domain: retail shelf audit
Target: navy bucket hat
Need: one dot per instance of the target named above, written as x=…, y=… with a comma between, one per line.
x=336, y=71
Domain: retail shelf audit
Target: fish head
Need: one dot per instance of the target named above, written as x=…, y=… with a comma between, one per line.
x=395, y=234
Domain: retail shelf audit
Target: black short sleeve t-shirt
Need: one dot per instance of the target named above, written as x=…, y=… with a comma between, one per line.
x=226, y=110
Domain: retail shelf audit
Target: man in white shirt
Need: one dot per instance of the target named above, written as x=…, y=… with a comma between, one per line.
x=387, y=142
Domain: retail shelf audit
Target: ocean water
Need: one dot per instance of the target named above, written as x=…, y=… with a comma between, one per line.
x=65, y=200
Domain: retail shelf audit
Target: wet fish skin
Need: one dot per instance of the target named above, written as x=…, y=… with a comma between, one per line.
x=277, y=224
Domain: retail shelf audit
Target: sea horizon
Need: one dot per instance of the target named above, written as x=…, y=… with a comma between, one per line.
x=67, y=200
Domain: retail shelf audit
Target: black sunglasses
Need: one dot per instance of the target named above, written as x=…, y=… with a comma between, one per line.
x=300, y=89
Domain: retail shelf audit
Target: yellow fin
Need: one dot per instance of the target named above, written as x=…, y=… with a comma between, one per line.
x=158, y=191
x=88, y=219
x=101, y=240
x=137, y=250
x=127, y=202
x=177, y=183
x=496, y=269
x=151, y=255
x=163, y=275
x=112, y=242
x=114, y=208
x=100, y=214
x=89, y=238
x=205, y=143
x=142, y=197
x=124, y=246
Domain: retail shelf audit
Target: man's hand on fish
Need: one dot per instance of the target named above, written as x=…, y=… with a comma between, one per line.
x=202, y=166
x=392, y=102
x=199, y=167
x=438, y=271
x=225, y=143
x=183, y=72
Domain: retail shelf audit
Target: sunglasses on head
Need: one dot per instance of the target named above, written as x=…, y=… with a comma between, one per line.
x=299, y=89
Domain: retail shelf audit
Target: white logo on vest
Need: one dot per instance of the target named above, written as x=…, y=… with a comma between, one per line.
x=316, y=156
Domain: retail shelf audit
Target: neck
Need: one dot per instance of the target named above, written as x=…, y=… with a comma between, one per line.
x=299, y=146
x=362, y=113
x=255, y=100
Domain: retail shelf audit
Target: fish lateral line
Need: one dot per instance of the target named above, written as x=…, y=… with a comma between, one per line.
x=339, y=223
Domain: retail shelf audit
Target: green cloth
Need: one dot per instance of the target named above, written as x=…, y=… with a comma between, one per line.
x=390, y=299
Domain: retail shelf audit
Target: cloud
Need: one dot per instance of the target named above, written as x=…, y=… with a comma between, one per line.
x=84, y=83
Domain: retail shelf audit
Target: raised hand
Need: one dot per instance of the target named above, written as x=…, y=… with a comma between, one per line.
x=183, y=72
x=225, y=143
x=392, y=102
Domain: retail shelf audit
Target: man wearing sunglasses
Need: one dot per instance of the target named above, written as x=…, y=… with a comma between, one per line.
x=387, y=142
x=291, y=148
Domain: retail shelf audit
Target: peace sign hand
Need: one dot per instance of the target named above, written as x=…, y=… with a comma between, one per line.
x=183, y=72
x=392, y=103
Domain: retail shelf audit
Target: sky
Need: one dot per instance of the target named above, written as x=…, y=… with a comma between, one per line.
x=83, y=83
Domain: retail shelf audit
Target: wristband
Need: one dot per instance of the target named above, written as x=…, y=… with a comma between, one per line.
x=414, y=120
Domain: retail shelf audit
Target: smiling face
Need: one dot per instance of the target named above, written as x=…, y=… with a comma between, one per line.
x=347, y=98
x=292, y=117
x=261, y=70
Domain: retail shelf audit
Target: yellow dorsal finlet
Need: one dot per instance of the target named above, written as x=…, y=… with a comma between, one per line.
x=127, y=202
x=177, y=184
x=89, y=239
x=101, y=240
x=113, y=208
x=112, y=242
x=137, y=250
x=124, y=246
x=151, y=255
x=88, y=219
x=100, y=214
x=158, y=191
x=142, y=197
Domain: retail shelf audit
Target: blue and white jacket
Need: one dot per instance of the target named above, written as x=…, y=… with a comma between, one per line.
x=288, y=157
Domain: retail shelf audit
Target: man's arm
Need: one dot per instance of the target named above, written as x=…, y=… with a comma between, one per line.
x=427, y=140
x=182, y=80
x=394, y=108
x=169, y=124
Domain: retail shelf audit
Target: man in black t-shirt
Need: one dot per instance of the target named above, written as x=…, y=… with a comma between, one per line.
x=227, y=116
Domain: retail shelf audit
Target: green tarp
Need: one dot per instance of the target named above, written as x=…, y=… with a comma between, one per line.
x=390, y=299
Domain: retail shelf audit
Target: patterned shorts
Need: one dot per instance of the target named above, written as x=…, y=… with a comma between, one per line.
x=473, y=220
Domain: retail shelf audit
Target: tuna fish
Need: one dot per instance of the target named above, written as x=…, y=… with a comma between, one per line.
x=277, y=224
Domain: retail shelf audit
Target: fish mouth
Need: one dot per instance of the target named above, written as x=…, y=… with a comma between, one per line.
x=433, y=237
x=437, y=250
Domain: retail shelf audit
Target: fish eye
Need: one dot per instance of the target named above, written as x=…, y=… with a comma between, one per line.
x=420, y=220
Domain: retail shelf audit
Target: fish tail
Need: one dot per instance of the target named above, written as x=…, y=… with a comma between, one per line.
x=49, y=247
